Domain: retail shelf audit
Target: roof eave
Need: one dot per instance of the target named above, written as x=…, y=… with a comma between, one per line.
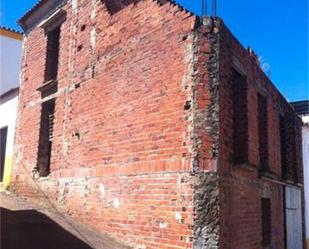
x=38, y=12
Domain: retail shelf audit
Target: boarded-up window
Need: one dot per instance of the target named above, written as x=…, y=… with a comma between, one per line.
x=266, y=221
x=46, y=137
x=240, y=118
x=283, y=147
x=263, y=132
x=289, y=163
x=52, y=54
x=291, y=147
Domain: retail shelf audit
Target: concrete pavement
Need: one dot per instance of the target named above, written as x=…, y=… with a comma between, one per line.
x=24, y=225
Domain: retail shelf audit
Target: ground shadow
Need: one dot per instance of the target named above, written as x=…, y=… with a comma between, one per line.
x=30, y=229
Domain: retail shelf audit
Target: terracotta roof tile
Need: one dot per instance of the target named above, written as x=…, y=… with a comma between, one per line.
x=11, y=30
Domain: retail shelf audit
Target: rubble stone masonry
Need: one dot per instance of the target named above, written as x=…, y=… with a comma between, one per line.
x=143, y=128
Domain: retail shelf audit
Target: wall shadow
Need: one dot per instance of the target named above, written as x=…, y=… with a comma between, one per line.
x=30, y=229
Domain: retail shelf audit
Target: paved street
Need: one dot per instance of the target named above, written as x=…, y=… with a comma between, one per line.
x=29, y=227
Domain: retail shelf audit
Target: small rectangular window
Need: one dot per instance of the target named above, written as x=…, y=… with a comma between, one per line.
x=263, y=132
x=266, y=221
x=52, y=54
x=240, y=118
x=46, y=137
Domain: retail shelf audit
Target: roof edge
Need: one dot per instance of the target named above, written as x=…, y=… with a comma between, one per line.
x=11, y=92
x=39, y=11
x=11, y=33
x=301, y=107
x=51, y=5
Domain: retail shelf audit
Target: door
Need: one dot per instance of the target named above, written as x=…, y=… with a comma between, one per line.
x=293, y=212
x=3, y=138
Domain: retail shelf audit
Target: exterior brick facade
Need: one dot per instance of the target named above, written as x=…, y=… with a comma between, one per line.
x=142, y=144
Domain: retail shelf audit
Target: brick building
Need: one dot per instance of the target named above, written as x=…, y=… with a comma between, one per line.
x=154, y=125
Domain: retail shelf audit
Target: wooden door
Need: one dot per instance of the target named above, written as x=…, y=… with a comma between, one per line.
x=293, y=212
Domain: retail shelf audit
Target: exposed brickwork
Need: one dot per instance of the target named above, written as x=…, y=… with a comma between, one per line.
x=121, y=131
x=242, y=186
x=143, y=132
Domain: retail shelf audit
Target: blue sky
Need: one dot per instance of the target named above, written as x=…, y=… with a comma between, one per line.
x=276, y=30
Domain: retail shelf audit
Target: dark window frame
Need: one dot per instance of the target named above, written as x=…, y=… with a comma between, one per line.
x=283, y=146
x=240, y=118
x=266, y=221
x=52, y=53
x=288, y=147
x=262, y=110
x=46, y=137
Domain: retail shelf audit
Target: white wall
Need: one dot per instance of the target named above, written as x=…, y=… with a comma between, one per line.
x=8, y=113
x=305, y=138
x=10, y=61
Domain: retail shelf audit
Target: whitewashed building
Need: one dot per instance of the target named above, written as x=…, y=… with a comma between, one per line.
x=10, y=56
x=302, y=108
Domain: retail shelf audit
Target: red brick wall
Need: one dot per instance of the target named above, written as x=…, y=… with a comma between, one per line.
x=243, y=186
x=120, y=156
x=233, y=55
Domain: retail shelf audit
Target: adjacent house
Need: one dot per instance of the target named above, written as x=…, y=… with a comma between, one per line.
x=156, y=126
x=10, y=56
x=302, y=109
